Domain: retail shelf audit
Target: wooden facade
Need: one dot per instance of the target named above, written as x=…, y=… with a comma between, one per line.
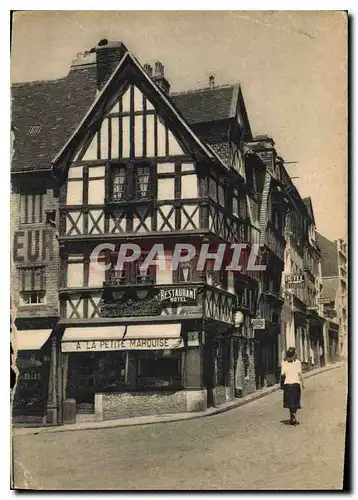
x=142, y=168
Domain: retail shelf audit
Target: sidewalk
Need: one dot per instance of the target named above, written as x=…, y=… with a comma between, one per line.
x=155, y=419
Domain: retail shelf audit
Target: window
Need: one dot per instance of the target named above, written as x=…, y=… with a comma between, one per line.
x=185, y=272
x=216, y=192
x=221, y=195
x=131, y=273
x=213, y=189
x=131, y=182
x=143, y=275
x=242, y=206
x=119, y=175
x=34, y=130
x=32, y=285
x=119, y=276
x=142, y=182
x=235, y=204
x=246, y=298
x=159, y=369
x=32, y=208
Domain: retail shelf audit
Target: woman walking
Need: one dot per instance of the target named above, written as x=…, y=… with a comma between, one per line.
x=291, y=379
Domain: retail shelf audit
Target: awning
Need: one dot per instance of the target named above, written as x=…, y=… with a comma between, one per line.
x=29, y=340
x=166, y=330
x=119, y=338
x=93, y=333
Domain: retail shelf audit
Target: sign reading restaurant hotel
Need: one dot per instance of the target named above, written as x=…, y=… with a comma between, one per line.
x=121, y=344
x=187, y=295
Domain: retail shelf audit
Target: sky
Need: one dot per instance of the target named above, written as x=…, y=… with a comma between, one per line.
x=292, y=66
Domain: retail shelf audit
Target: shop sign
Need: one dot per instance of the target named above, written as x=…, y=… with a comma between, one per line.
x=324, y=300
x=258, y=324
x=239, y=319
x=33, y=245
x=121, y=345
x=175, y=295
x=293, y=280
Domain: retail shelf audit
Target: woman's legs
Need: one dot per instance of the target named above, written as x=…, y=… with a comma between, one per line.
x=293, y=420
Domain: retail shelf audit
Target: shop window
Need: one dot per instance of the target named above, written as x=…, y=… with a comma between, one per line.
x=32, y=382
x=90, y=373
x=33, y=285
x=159, y=369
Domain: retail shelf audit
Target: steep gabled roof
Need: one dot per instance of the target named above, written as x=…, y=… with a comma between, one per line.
x=57, y=107
x=127, y=66
x=308, y=203
x=329, y=256
x=207, y=104
x=329, y=288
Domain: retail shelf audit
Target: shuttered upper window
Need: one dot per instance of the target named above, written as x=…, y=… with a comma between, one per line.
x=32, y=285
x=32, y=208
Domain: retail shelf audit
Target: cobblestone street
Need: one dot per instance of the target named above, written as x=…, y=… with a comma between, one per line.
x=250, y=447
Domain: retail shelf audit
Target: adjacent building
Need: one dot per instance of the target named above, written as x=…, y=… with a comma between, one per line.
x=108, y=156
x=334, y=294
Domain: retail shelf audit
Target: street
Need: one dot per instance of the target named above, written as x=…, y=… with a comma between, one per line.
x=248, y=448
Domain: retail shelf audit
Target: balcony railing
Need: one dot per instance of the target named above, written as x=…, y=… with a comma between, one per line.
x=116, y=278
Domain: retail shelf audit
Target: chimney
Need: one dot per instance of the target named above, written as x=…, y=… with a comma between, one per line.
x=211, y=81
x=148, y=69
x=159, y=77
x=108, y=56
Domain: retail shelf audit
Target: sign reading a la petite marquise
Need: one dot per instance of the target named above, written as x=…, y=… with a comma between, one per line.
x=121, y=344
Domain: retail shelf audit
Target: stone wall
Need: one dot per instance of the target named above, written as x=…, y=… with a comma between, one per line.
x=126, y=405
x=246, y=377
x=219, y=395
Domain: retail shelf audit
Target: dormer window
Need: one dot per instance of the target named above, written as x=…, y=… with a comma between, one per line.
x=238, y=163
x=34, y=130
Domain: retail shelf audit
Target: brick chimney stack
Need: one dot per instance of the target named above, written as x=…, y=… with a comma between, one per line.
x=108, y=56
x=148, y=69
x=159, y=77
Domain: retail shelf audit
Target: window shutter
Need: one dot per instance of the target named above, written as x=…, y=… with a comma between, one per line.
x=38, y=279
x=27, y=280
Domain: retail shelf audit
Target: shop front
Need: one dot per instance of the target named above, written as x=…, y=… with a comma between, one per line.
x=332, y=340
x=316, y=339
x=117, y=371
x=32, y=351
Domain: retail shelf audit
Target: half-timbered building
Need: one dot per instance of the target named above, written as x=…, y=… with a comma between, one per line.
x=301, y=318
x=134, y=164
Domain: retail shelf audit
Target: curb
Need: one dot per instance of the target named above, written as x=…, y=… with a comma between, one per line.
x=169, y=418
